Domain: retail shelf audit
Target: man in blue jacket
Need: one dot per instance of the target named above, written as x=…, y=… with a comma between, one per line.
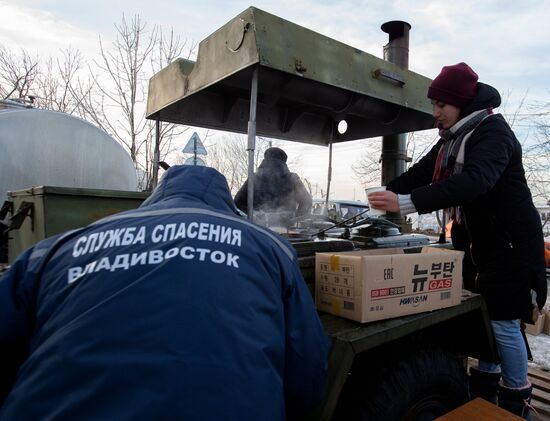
x=177, y=310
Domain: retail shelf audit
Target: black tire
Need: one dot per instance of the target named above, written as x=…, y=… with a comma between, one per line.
x=421, y=387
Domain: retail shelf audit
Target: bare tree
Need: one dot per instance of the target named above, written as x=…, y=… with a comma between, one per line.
x=115, y=98
x=17, y=73
x=367, y=168
x=56, y=83
x=530, y=121
x=168, y=47
x=537, y=151
x=120, y=84
x=53, y=84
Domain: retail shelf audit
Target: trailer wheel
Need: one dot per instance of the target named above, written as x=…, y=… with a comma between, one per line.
x=421, y=387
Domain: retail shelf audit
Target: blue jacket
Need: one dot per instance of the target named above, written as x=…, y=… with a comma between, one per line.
x=178, y=310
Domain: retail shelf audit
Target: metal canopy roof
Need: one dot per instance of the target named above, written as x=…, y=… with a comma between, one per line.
x=307, y=83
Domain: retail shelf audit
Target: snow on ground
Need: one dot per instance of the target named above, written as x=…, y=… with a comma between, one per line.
x=540, y=348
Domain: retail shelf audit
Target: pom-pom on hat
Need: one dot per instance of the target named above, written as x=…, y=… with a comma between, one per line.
x=275, y=153
x=455, y=85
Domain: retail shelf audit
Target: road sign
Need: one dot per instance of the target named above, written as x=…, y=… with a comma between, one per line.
x=195, y=146
x=191, y=161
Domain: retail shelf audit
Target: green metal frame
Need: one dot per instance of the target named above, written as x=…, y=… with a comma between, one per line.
x=307, y=83
x=351, y=339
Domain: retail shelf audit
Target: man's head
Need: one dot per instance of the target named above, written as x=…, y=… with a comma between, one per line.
x=275, y=153
x=453, y=89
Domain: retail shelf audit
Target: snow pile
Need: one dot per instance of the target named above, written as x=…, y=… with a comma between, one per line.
x=540, y=348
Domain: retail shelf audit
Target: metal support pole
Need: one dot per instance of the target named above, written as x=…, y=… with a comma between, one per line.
x=394, y=156
x=156, y=154
x=443, y=233
x=329, y=177
x=252, y=142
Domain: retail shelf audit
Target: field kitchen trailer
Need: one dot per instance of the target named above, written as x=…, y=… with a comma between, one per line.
x=260, y=74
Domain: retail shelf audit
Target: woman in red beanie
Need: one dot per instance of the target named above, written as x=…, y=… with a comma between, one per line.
x=475, y=173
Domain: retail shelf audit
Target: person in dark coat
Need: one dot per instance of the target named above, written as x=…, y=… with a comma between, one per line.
x=275, y=187
x=177, y=310
x=475, y=173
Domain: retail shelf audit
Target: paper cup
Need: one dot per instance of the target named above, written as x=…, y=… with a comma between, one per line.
x=372, y=211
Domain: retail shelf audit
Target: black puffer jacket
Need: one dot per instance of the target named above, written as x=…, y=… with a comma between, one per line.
x=276, y=189
x=499, y=219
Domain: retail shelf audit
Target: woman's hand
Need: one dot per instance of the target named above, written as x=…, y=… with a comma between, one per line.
x=384, y=200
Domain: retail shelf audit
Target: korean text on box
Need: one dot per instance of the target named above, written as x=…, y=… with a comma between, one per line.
x=370, y=285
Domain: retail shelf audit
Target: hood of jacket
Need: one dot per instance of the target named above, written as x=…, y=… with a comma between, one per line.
x=272, y=165
x=486, y=97
x=203, y=185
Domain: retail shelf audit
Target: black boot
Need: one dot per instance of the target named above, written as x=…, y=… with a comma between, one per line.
x=483, y=385
x=516, y=401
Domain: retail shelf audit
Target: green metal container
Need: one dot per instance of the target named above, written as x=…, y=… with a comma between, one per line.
x=41, y=212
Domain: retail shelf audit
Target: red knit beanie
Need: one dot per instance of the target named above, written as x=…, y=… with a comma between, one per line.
x=455, y=85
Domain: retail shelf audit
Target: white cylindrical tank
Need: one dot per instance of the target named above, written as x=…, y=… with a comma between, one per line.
x=49, y=148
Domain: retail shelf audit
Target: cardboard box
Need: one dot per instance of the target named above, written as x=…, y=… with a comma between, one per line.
x=537, y=328
x=377, y=284
x=546, y=328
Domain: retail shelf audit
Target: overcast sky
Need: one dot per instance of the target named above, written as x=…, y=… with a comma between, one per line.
x=506, y=42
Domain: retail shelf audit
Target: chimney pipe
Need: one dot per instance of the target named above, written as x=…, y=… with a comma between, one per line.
x=397, y=49
x=394, y=147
